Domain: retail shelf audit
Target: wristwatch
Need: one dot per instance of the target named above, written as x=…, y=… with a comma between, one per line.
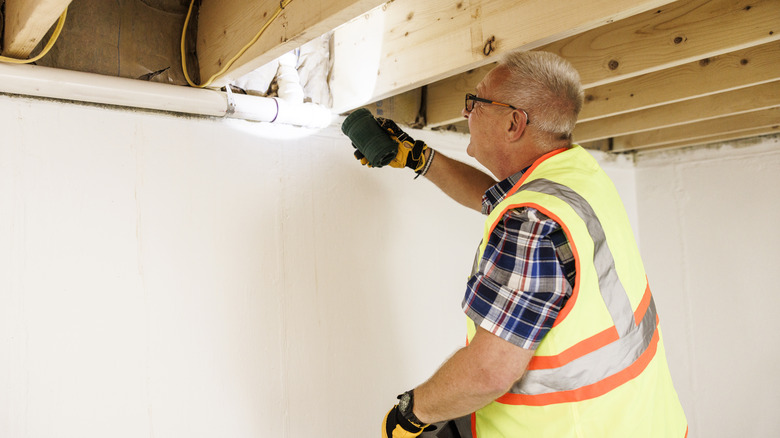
x=406, y=408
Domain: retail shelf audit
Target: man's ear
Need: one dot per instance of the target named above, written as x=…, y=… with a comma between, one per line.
x=517, y=126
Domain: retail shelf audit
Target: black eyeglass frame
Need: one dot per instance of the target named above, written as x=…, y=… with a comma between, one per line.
x=473, y=98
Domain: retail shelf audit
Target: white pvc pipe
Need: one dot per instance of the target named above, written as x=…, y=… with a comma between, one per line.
x=288, y=80
x=38, y=81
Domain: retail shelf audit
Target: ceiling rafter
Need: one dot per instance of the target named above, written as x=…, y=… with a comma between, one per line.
x=226, y=26
x=717, y=129
x=657, y=73
x=679, y=113
x=408, y=43
x=27, y=22
x=656, y=40
x=742, y=68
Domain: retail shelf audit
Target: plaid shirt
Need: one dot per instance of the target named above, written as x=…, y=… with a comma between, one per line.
x=525, y=276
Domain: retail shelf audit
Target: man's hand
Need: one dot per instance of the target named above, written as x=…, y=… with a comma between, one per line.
x=396, y=426
x=411, y=152
x=379, y=142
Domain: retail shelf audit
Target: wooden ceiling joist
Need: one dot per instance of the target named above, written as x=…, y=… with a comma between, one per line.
x=659, y=39
x=706, y=131
x=26, y=23
x=414, y=43
x=656, y=73
x=743, y=68
x=708, y=107
x=681, y=32
x=445, y=97
x=716, y=138
x=226, y=26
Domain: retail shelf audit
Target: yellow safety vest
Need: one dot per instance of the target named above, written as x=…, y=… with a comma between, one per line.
x=601, y=370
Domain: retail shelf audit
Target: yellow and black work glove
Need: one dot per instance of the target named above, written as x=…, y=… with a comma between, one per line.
x=379, y=142
x=411, y=152
x=396, y=426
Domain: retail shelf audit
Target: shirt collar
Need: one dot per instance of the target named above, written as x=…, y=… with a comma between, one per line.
x=495, y=194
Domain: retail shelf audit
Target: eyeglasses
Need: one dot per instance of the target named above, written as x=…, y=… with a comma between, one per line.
x=472, y=99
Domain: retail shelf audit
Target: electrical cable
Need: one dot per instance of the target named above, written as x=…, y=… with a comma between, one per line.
x=282, y=4
x=49, y=45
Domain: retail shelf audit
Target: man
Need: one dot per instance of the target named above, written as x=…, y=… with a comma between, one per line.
x=563, y=339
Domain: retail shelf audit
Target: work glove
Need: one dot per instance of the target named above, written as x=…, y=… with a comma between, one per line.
x=396, y=426
x=410, y=151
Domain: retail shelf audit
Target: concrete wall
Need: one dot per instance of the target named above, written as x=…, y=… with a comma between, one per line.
x=709, y=230
x=171, y=276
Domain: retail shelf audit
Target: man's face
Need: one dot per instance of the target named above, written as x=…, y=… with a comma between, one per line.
x=485, y=122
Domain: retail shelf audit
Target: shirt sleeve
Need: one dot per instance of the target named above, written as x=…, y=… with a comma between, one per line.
x=519, y=287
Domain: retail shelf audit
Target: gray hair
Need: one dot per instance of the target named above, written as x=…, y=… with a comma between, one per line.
x=547, y=87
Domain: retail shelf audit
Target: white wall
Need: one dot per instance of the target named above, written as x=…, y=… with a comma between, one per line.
x=709, y=222
x=620, y=168
x=170, y=276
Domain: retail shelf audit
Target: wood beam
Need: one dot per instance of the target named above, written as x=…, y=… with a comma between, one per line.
x=679, y=33
x=734, y=135
x=422, y=42
x=403, y=108
x=708, y=107
x=705, y=131
x=445, y=97
x=743, y=68
x=603, y=145
x=226, y=26
x=26, y=23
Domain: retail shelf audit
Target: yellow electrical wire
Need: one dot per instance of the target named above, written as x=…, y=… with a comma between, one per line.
x=48, y=46
x=282, y=4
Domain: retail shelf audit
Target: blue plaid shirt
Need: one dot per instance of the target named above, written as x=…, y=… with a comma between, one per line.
x=525, y=276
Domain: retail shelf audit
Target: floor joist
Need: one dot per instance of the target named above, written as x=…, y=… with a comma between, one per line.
x=679, y=33
x=705, y=131
x=226, y=26
x=708, y=107
x=26, y=23
x=409, y=43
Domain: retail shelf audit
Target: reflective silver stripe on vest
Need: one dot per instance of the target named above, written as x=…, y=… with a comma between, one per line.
x=592, y=367
x=633, y=340
x=612, y=290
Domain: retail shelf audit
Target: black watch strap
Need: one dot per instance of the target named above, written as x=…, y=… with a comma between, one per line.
x=406, y=408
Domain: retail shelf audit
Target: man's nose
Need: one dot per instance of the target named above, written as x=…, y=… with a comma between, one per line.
x=464, y=112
